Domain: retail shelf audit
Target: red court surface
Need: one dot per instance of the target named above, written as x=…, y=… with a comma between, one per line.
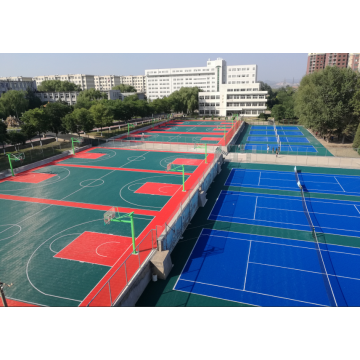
x=158, y=189
x=211, y=138
x=88, y=156
x=76, y=204
x=184, y=132
x=31, y=177
x=96, y=248
x=181, y=161
x=139, y=135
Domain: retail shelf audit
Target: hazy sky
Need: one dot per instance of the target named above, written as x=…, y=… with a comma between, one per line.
x=274, y=67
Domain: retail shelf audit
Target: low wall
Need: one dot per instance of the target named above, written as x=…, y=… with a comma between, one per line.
x=316, y=161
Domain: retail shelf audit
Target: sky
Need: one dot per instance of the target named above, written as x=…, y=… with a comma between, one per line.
x=271, y=66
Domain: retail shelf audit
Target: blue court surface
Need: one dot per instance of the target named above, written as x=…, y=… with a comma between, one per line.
x=270, y=271
x=286, y=212
x=284, y=148
x=272, y=133
x=259, y=127
x=281, y=180
x=282, y=139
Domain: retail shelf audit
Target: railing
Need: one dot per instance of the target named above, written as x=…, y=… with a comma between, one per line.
x=120, y=279
x=110, y=292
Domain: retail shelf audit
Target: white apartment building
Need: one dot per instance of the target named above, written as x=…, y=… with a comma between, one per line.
x=137, y=81
x=71, y=96
x=223, y=87
x=84, y=81
x=16, y=83
x=106, y=82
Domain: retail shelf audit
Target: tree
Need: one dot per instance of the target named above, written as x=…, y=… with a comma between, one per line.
x=79, y=120
x=87, y=97
x=54, y=114
x=3, y=134
x=286, y=98
x=29, y=132
x=37, y=119
x=278, y=112
x=16, y=138
x=58, y=85
x=14, y=102
x=326, y=101
x=124, y=88
x=102, y=115
x=356, y=143
x=34, y=101
x=184, y=100
x=271, y=98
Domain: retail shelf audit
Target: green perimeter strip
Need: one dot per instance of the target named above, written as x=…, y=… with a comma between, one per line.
x=161, y=293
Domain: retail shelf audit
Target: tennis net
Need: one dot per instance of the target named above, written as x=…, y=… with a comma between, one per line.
x=328, y=287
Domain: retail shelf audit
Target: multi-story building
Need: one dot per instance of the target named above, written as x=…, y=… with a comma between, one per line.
x=71, y=96
x=84, y=81
x=318, y=61
x=337, y=59
x=137, y=81
x=315, y=62
x=354, y=60
x=223, y=87
x=106, y=82
x=16, y=83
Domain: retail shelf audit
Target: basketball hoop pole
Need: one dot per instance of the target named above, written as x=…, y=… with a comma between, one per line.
x=183, y=174
x=72, y=144
x=12, y=170
x=203, y=146
x=2, y=295
x=131, y=222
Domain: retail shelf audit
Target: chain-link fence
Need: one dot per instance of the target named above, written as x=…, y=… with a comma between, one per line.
x=35, y=154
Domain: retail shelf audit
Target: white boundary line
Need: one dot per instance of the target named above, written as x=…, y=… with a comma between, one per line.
x=339, y=184
x=357, y=209
x=255, y=207
x=26, y=301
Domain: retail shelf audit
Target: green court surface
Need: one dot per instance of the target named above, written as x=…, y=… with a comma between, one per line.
x=131, y=159
x=28, y=248
x=201, y=129
x=44, y=251
x=161, y=293
x=320, y=149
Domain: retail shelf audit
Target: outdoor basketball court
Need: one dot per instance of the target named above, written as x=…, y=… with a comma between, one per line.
x=57, y=251
x=186, y=132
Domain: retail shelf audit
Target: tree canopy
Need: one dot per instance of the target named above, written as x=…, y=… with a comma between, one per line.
x=58, y=85
x=14, y=103
x=327, y=101
x=124, y=88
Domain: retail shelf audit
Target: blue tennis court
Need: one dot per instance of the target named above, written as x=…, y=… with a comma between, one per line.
x=284, y=148
x=286, y=212
x=283, y=139
x=284, y=180
x=270, y=271
x=272, y=133
x=259, y=127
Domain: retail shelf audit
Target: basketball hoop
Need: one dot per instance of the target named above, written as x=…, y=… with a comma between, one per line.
x=168, y=167
x=110, y=214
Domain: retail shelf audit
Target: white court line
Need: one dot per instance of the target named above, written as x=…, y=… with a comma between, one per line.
x=252, y=292
x=357, y=209
x=280, y=244
x=308, y=271
x=247, y=265
x=339, y=184
x=259, y=179
x=255, y=207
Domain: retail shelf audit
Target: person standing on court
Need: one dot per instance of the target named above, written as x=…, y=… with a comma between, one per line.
x=268, y=149
x=277, y=152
